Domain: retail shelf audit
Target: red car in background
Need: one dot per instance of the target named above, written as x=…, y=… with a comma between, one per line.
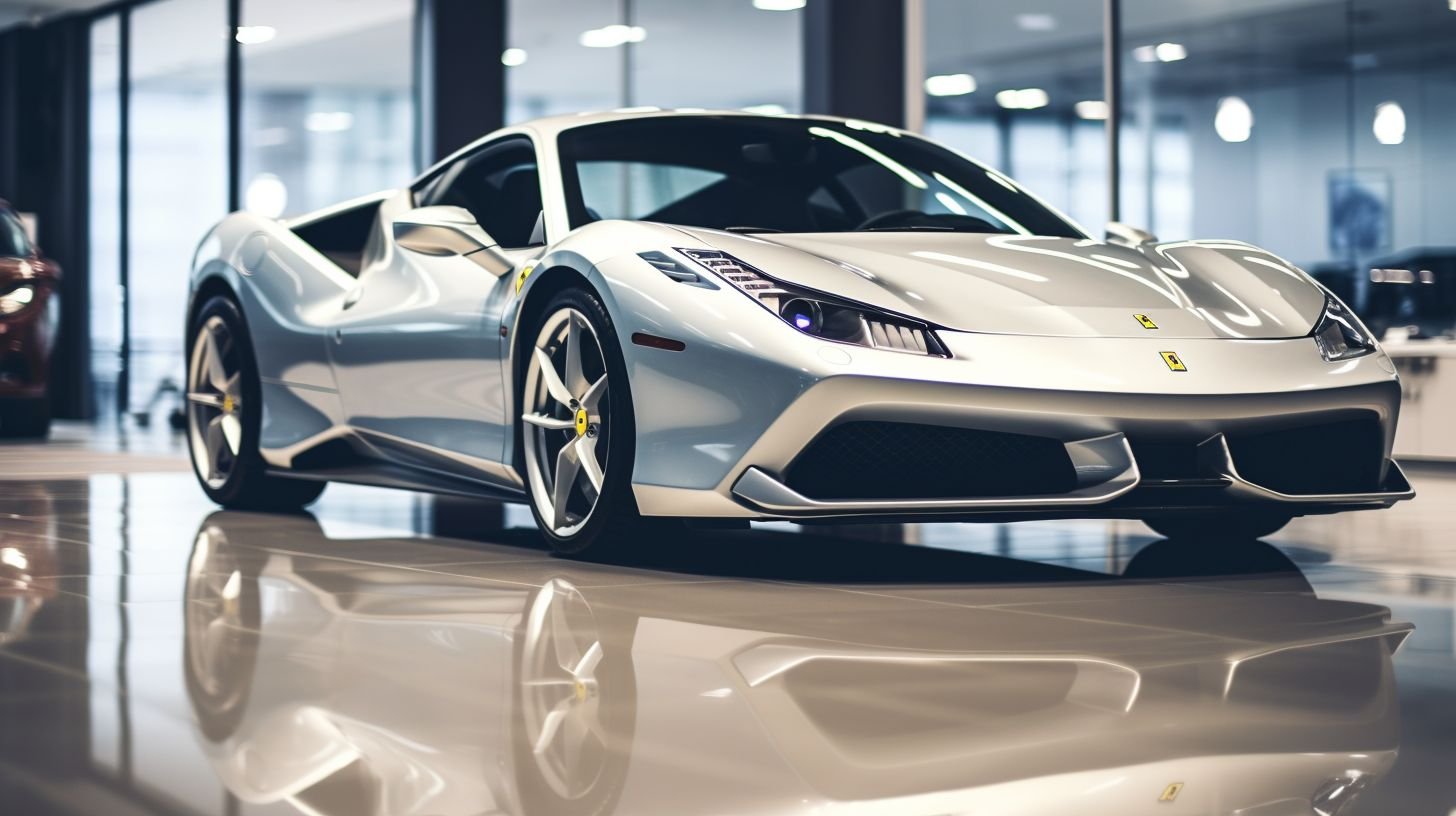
x=29, y=310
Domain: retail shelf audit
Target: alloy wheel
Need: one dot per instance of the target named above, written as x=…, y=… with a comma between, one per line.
x=566, y=421
x=214, y=402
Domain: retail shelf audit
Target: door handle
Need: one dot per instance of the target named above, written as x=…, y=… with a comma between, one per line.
x=353, y=297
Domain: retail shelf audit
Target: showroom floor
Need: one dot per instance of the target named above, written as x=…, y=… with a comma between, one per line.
x=389, y=654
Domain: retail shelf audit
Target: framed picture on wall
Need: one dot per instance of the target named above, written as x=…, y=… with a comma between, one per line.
x=1359, y=211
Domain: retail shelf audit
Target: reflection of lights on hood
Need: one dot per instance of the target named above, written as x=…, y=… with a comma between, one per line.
x=884, y=161
x=1234, y=121
x=977, y=264
x=1014, y=243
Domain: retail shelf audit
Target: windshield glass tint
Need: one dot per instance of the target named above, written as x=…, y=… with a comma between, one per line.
x=787, y=175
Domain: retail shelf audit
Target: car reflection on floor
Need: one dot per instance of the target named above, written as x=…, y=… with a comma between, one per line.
x=871, y=678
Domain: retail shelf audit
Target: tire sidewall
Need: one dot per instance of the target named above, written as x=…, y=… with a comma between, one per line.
x=616, y=507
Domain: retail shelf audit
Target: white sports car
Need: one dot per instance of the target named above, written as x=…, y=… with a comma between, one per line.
x=718, y=316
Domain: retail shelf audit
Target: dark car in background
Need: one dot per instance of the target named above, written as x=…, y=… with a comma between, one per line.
x=28, y=316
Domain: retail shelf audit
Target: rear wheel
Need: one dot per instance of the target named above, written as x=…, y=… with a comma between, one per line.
x=225, y=414
x=25, y=418
x=1230, y=525
x=576, y=428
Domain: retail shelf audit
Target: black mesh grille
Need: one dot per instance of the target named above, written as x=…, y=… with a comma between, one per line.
x=901, y=460
x=1337, y=457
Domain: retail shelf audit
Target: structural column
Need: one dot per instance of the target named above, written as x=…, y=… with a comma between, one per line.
x=461, y=81
x=854, y=59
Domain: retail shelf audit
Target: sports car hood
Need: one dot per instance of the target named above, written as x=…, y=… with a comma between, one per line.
x=1015, y=284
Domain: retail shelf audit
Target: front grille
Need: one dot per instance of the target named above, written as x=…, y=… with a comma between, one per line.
x=1336, y=457
x=902, y=460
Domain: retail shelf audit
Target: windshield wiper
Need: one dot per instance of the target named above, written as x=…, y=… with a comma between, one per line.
x=915, y=228
x=751, y=229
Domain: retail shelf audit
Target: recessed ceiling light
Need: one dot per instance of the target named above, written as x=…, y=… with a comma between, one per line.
x=1091, y=109
x=1234, y=121
x=1162, y=52
x=1022, y=98
x=328, y=121
x=788, y=5
x=950, y=84
x=511, y=57
x=266, y=195
x=612, y=36
x=1170, y=52
x=1041, y=22
x=252, y=35
x=1389, y=122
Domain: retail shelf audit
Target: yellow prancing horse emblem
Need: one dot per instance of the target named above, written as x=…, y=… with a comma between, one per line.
x=581, y=422
x=521, y=278
x=1147, y=322
x=1171, y=792
x=1175, y=363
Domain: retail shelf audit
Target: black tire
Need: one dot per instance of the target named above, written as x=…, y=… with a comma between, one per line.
x=248, y=485
x=25, y=418
x=1231, y=525
x=614, y=523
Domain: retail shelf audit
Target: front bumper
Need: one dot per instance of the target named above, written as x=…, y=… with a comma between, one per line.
x=1098, y=397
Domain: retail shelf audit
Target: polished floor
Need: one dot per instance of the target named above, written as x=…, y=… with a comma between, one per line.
x=390, y=654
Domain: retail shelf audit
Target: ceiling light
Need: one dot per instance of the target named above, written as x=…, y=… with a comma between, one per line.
x=1162, y=52
x=1389, y=123
x=1234, y=120
x=1091, y=109
x=792, y=5
x=511, y=57
x=1040, y=22
x=266, y=195
x=252, y=35
x=950, y=84
x=1022, y=98
x=612, y=36
x=1170, y=52
x=328, y=121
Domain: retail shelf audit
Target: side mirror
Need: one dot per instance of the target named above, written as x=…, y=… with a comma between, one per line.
x=442, y=231
x=1128, y=235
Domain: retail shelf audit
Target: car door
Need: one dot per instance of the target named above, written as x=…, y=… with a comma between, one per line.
x=416, y=345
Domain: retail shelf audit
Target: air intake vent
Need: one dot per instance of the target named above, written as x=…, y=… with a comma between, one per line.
x=903, y=460
x=1336, y=457
x=897, y=337
x=737, y=273
x=671, y=268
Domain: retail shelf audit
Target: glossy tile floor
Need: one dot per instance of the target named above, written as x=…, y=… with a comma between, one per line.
x=393, y=655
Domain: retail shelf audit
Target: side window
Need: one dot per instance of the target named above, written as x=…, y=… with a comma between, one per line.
x=13, y=241
x=500, y=185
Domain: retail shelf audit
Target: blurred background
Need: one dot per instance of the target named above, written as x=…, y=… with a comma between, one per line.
x=1318, y=129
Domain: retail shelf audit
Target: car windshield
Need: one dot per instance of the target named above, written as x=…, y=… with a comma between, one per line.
x=751, y=174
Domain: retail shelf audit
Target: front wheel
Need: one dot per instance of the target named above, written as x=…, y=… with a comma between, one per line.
x=1232, y=524
x=576, y=428
x=225, y=415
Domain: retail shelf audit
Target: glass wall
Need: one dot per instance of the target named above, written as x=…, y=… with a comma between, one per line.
x=328, y=108
x=1318, y=129
x=104, y=217
x=663, y=53
x=177, y=177
x=1020, y=88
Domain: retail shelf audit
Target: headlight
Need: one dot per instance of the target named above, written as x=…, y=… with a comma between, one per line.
x=1340, y=335
x=16, y=299
x=821, y=315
